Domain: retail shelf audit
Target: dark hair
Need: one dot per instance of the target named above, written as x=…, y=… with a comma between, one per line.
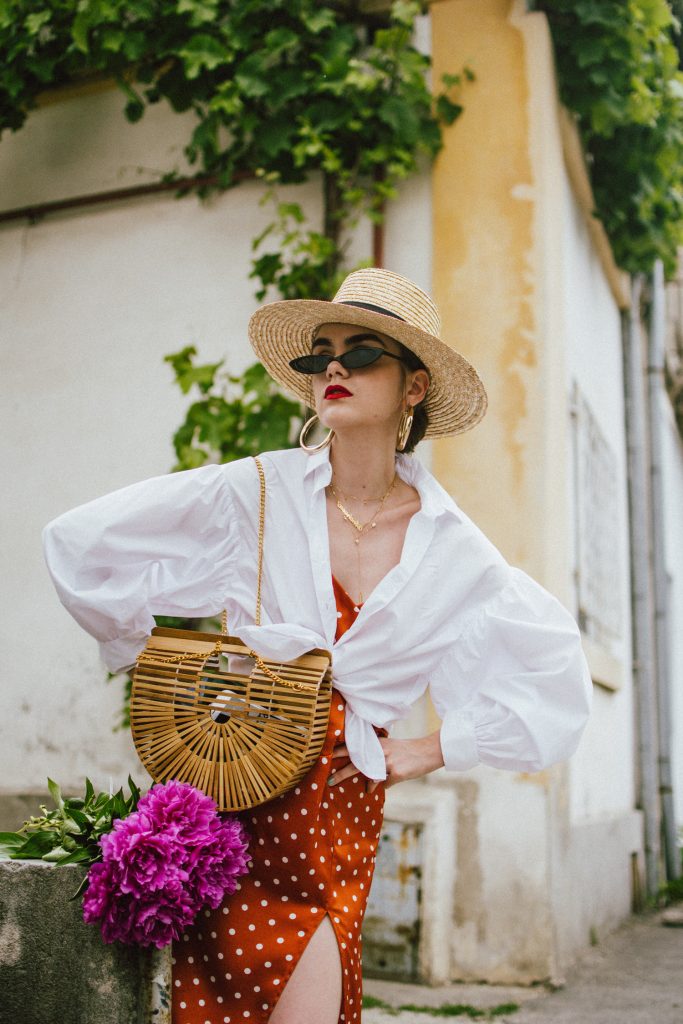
x=420, y=418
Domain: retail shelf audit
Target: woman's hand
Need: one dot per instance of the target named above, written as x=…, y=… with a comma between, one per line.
x=405, y=759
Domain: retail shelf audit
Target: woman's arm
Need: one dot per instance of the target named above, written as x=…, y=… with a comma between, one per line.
x=513, y=691
x=165, y=546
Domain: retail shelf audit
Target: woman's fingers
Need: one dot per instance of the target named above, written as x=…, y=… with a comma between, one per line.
x=339, y=774
x=340, y=750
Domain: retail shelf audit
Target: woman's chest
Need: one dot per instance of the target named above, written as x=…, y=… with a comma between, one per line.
x=363, y=551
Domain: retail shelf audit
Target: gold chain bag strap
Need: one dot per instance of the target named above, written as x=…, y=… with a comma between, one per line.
x=208, y=710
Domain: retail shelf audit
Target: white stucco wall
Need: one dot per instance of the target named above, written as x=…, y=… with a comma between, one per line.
x=602, y=770
x=91, y=301
x=672, y=480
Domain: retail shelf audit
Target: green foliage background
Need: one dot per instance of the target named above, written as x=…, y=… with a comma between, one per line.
x=618, y=68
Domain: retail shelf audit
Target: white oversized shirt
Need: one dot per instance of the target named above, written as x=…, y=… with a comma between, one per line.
x=501, y=656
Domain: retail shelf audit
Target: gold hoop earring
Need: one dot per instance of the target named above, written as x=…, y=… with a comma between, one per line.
x=404, y=428
x=311, y=448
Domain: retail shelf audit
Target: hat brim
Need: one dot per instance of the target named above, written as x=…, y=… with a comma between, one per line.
x=280, y=331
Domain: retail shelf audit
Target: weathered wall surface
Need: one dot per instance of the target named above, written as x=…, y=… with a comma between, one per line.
x=530, y=297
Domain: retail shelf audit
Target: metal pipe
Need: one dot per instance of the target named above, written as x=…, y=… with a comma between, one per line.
x=641, y=589
x=656, y=395
x=39, y=210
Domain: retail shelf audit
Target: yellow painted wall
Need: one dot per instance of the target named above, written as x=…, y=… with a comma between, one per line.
x=485, y=274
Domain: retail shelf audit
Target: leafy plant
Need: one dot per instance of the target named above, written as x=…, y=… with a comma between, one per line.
x=235, y=416
x=618, y=70
x=70, y=833
x=305, y=264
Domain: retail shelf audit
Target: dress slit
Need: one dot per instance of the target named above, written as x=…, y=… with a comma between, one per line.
x=304, y=946
x=312, y=855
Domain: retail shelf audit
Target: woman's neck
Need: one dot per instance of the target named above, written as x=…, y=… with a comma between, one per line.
x=363, y=468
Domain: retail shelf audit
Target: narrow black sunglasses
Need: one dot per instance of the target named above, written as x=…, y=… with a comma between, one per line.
x=354, y=359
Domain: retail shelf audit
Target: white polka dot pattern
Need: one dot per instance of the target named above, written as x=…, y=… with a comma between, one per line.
x=234, y=966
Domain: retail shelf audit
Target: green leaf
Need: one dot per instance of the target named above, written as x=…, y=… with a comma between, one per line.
x=401, y=117
x=251, y=84
x=200, y=11
x=113, y=39
x=134, y=793
x=36, y=846
x=12, y=838
x=202, y=52
x=80, y=856
x=75, y=821
x=9, y=843
x=79, y=31
x=317, y=21
x=447, y=110
x=35, y=21
x=404, y=12
x=281, y=40
x=56, y=794
x=55, y=855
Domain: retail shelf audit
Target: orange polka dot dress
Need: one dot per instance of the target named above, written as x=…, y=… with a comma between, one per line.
x=313, y=854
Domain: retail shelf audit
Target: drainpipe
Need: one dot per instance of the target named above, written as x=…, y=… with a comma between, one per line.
x=657, y=392
x=641, y=589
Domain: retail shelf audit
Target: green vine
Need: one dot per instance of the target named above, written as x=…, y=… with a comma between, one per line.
x=618, y=66
x=233, y=417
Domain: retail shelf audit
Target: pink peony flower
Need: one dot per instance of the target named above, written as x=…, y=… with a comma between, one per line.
x=162, y=864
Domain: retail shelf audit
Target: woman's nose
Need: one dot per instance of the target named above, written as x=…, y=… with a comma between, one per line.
x=335, y=368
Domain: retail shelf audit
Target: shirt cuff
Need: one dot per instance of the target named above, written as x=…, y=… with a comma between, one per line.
x=458, y=742
x=122, y=653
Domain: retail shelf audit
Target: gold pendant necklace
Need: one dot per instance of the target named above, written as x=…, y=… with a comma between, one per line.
x=361, y=527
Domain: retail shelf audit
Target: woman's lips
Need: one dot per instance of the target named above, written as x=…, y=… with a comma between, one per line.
x=337, y=391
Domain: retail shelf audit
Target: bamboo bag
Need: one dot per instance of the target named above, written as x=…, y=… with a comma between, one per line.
x=208, y=710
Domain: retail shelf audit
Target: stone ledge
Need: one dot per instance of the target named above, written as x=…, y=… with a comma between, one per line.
x=55, y=968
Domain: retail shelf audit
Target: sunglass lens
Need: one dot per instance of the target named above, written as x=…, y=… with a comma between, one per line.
x=358, y=357
x=352, y=360
x=310, y=364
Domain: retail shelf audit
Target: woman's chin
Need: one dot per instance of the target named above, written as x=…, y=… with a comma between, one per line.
x=337, y=418
x=348, y=422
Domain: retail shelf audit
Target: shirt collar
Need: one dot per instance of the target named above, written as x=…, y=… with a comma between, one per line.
x=435, y=500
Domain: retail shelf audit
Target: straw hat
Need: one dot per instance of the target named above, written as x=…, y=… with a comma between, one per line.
x=386, y=302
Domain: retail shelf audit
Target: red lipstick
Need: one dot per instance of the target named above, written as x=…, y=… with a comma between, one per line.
x=336, y=391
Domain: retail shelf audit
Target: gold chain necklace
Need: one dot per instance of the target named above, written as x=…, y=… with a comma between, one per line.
x=361, y=527
x=350, y=518
x=353, y=497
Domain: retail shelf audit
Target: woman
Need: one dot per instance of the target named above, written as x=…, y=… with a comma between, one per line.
x=365, y=555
